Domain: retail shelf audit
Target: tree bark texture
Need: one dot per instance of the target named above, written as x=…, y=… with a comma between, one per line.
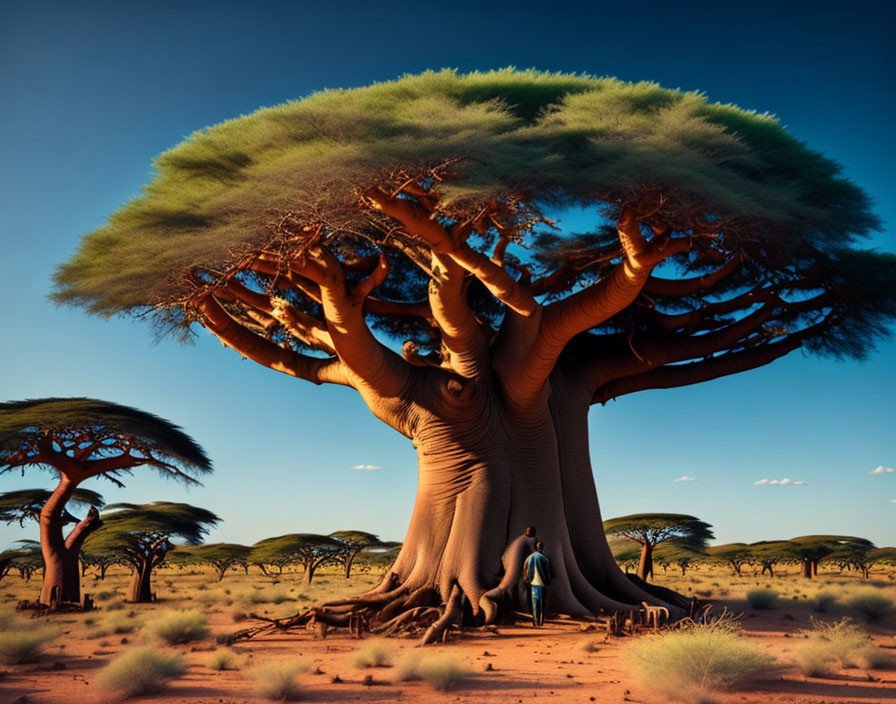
x=489, y=468
x=140, y=588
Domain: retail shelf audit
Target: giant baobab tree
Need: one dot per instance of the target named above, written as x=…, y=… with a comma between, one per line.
x=402, y=240
x=80, y=438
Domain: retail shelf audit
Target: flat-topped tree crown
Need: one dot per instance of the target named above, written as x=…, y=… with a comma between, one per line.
x=308, y=549
x=407, y=239
x=655, y=528
x=141, y=535
x=26, y=504
x=85, y=437
x=445, y=163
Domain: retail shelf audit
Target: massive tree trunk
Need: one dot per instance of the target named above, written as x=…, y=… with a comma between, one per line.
x=645, y=564
x=140, y=588
x=71, y=582
x=52, y=542
x=487, y=473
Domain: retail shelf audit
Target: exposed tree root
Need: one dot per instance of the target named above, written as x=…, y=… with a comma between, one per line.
x=400, y=611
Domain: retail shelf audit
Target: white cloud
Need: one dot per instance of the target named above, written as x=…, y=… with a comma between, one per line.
x=786, y=481
x=685, y=478
x=367, y=467
x=882, y=470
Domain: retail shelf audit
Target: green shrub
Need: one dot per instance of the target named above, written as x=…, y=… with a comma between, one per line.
x=871, y=602
x=277, y=681
x=373, y=654
x=829, y=647
x=822, y=600
x=19, y=644
x=762, y=598
x=142, y=671
x=690, y=664
x=178, y=627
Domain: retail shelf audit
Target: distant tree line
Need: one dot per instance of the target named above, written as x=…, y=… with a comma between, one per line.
x=641, y=540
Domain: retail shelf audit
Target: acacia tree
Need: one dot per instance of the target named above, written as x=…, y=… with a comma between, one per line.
x=651, y=529
x=735, y=555
x=681, y=554
x=398, y=239
x=143, y=534
x=222, y=556
x=25, y=559
x=353, y=542
x=307, y=549
x=771, y=552
x=80, y=438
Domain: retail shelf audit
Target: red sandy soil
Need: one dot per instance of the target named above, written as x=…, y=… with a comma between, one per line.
x=527, y=665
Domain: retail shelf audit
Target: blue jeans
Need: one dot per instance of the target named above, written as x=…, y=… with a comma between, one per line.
x=538, y=605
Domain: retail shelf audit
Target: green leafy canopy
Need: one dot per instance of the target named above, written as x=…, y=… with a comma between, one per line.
x=538, y=139
x=86, y=430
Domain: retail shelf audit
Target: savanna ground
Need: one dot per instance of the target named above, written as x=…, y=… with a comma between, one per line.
x=561, y=662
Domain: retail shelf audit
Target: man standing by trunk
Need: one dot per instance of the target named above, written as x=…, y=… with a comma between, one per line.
x=537, y=573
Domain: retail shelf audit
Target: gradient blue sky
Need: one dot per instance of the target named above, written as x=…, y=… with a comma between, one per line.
x=90, y=92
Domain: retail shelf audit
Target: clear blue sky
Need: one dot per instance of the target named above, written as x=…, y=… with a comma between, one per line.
x=90, y=92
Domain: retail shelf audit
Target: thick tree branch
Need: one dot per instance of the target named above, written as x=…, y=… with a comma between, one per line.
x=564, y=319
x=461, y=335
x=423, y=225
x=667, y=377
x=656, y=286
x=258, y=349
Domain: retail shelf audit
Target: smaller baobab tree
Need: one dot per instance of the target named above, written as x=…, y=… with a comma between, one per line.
x=307, y=549
x=143, y=534
x=80, y=438
x=809, y=550
x=353, y=542
x=26, y=505
x=221, y=556
x=650, y=529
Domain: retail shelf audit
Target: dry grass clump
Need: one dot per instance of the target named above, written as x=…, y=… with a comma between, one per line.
x=373, y=654
x=277, y=681
x=829, y=647
x=691, y=664
x=263, y=596
x=223, y=659
x=176, y=627
x=21, y=643
x=822, y=600
x=440, y=672
x=762, y=598
x=407, y=666
x=871, y=602
x=141, y=671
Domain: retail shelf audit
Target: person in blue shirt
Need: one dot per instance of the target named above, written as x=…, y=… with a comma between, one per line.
x=537, y=574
